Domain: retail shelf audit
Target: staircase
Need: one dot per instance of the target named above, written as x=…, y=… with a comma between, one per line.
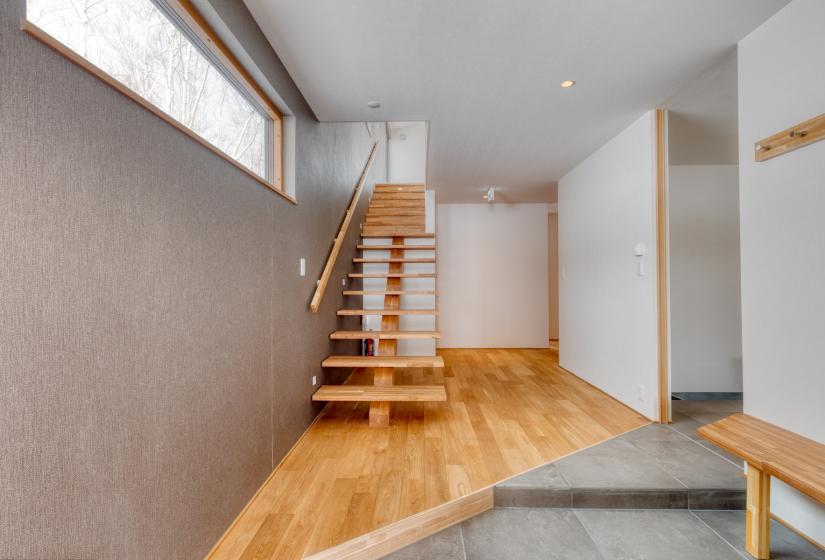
x=395, y=214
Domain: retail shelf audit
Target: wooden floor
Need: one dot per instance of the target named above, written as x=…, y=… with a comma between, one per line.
x=506, y=412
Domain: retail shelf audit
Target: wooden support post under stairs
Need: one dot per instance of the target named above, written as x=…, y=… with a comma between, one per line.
x=380, y=411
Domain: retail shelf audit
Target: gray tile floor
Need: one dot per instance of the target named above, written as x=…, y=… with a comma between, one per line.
x=584, y=534
x=659, y=492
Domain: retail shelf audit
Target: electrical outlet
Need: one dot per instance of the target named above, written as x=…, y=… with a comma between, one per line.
x=642, y=392
x=314, y=380
x=302, y=267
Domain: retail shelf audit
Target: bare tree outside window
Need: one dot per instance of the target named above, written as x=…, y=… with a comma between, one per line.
x=135, y=43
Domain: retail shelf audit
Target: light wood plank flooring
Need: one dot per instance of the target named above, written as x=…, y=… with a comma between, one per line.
x=506, y=411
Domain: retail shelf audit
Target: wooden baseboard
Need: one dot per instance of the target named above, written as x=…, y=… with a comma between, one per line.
x=383, y=541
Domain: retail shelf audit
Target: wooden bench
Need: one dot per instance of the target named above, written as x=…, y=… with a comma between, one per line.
x=769, y=451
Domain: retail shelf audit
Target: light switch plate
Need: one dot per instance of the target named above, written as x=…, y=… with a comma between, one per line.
x=302, y=268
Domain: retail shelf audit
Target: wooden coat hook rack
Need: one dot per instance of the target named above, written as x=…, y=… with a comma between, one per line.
x=790, y=139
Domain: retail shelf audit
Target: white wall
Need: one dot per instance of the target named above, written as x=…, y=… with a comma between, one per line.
x=492, y=266
x=407, y=152
x=705, y=313
x=782, y=203
x=607, y=311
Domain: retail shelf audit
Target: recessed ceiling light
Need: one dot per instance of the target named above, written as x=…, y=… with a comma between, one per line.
x=373, y=104
x=568, y=84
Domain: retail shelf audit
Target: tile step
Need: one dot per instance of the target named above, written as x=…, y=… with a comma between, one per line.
x=619, y=498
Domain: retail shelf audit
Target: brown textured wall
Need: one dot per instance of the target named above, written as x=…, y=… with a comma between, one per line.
x=156, y=345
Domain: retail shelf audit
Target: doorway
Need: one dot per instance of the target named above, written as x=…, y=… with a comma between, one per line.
x=703, y=245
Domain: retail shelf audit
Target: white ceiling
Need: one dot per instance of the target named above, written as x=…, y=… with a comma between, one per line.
x=486, y=74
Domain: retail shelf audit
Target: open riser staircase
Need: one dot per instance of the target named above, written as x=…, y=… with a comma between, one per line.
x=397, y=255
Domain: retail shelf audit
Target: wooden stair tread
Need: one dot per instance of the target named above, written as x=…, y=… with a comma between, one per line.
x=390, y=293
x=387, y=211
x=345, y=312
x=398, y=393
x=392, y=260
x=385, y=335
x=366, y=233
x=392, y=275
x=400, y=187
x=401, y=247
x=396, y=203
x=384, y=361
x=394, y=221
x=389, y=195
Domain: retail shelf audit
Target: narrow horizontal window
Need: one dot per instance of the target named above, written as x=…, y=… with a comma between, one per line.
x=145, y=46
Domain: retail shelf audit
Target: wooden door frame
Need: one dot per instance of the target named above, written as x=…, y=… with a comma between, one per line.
x=663, y=321
x=550, y=306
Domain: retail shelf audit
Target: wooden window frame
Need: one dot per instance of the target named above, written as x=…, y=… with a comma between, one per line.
x=198, y=25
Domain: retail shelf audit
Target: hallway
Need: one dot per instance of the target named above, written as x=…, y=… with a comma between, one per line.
x=507, y=411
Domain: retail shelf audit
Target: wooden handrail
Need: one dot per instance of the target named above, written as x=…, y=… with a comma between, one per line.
x=342, y=233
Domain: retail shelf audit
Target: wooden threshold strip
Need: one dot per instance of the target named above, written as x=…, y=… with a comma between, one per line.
x=380, y=542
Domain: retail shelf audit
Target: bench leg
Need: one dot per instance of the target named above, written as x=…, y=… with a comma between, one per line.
x=758, y=516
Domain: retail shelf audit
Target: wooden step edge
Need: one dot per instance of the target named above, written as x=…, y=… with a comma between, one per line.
x=393, y=260
x=395, y=233
x=384, y=212
x=397, y=247
x=384, y=335
x=400, y=187
x=347, y=312
x=403, y=203
x=395, y=536
x=378, y=393
x=394, y=222
x=384, y=361
x=418, y=208
x=392, y=275
x=396, y=192
x=390, y=292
